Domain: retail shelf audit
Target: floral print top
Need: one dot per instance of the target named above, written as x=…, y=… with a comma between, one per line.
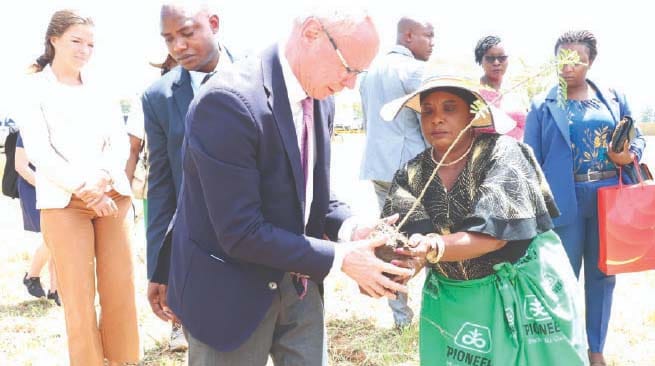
x=590, y=127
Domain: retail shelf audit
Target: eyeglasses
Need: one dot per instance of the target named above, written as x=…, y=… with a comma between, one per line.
x=350, y=70
x=492, y=59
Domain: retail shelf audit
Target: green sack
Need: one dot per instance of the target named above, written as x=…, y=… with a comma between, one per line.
x=525, y=314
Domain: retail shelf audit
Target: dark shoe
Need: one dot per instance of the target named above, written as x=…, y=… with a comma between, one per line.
x=402, y=327
x=33, y=285
x=54, y=296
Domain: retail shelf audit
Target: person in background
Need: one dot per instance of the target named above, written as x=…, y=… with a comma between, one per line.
x=138, y=150
x=390, y=145
x=77, y=139
x=490, y=54
x=190, y=32
x=32, y=222
x=572, y=145
x=136, y=133
x=137, y=162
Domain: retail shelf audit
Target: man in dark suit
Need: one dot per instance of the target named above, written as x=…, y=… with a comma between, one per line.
x=247, y=250
x=189, y=31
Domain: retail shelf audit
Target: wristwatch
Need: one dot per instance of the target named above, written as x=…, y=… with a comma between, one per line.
x=437, y=248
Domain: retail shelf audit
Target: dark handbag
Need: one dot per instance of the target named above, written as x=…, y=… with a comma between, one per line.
x=624, y=131
x=10, y=175
x=630, y=174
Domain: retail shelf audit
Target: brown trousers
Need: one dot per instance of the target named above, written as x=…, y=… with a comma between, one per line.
x=87, y=249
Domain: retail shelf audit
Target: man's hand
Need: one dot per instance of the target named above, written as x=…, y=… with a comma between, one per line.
x=361, y=264
x=364, y=229
x=158, y=304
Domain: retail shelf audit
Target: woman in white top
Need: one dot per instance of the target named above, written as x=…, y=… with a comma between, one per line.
x=77, y=139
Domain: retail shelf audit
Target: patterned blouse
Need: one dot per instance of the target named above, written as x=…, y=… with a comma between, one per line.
x=591, y=126
x=501, y=192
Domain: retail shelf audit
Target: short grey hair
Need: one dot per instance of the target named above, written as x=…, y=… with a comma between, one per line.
x=346, y=16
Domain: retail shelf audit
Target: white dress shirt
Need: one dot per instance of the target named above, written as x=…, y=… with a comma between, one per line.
x=70, y=133
x=296, y=94
x=196, y=79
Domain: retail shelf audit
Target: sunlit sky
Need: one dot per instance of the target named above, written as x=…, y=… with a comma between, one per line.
x=127, y=35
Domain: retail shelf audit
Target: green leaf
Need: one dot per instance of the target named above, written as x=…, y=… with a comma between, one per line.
x=479, y=108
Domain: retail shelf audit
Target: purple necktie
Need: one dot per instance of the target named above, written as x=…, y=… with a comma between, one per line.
x=307, y=127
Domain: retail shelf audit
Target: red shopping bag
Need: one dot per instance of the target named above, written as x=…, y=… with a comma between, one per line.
x=626, y=222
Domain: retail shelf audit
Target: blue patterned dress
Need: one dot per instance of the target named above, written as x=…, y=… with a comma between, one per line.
x=591, y=126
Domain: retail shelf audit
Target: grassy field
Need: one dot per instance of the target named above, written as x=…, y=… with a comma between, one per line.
x=360, y=329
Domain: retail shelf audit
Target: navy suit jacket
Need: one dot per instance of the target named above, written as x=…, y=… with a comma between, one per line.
x=547, y=132
x=165, y=105
x=239, y=225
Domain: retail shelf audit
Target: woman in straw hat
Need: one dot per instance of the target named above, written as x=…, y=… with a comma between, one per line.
x=499, y=288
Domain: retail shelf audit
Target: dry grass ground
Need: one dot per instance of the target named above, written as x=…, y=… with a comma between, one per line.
x=360, y=329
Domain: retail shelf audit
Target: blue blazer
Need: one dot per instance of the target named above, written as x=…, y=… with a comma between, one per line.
x=547, y=132
x=165, y=104
x=239, y=225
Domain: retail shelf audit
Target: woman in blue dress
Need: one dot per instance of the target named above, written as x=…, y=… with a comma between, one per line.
x=572, y=145
x=32, y=222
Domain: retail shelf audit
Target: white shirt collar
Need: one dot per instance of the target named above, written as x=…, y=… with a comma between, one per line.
x=294, y=90
x=50, y=75
x=198, y=76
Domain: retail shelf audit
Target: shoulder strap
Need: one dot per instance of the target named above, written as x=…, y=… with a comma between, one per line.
x=144, y=150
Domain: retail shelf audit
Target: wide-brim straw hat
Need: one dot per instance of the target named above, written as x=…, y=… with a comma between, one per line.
x=487, y=119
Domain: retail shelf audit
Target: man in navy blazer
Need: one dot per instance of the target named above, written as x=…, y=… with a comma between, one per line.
x=189, y=31
x=247, y=246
